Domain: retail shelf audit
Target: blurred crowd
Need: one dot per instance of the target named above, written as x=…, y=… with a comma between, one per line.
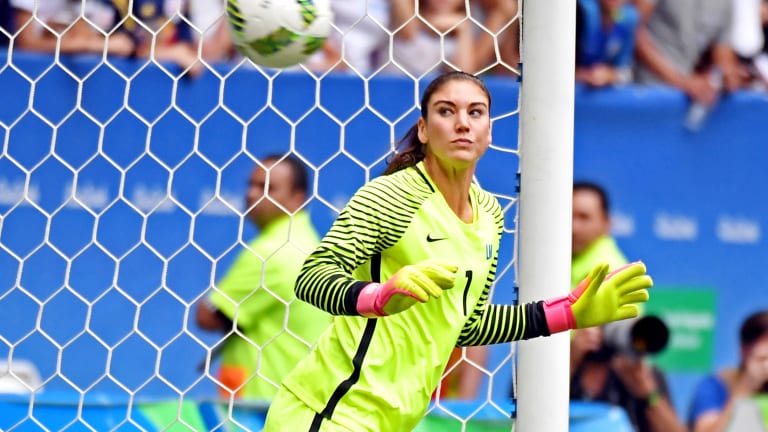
x=701, y=47
x=425, y=37
x=186, y=33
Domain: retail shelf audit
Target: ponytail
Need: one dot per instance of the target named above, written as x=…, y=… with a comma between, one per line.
x=409, y=152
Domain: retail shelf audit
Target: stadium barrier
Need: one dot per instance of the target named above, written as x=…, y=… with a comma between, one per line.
x=72, y=411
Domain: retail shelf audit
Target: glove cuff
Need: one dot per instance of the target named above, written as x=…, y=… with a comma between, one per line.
x=366, y=301
x=559, y=314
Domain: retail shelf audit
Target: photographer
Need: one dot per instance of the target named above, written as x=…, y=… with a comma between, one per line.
x=600, y=372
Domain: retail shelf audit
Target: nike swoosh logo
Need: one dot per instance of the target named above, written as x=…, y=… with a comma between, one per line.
x=431, y=239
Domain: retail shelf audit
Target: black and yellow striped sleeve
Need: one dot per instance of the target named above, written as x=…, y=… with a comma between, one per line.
x=505, y=323
x=491, y=324
x=374, y=219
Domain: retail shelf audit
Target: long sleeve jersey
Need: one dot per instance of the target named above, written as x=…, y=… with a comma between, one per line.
x=379, y=374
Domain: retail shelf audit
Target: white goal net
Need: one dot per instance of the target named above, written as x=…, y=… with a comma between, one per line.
x=122, y=183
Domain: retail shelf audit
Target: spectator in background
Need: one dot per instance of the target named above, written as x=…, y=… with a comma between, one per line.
x=747, y=31
x=446, y=35
x=605, y=41
x=687, y=44
x=362, y=36
x=432, y=36
x=597, y=372
x=591, y=239
x=267, y=330
x=750, y=26
x=500, y=33
x=715, y=397
x=69, y=27
x=158, y=33
x=208, y=29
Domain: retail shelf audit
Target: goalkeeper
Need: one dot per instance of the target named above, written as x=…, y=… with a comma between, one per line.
x=407, y=267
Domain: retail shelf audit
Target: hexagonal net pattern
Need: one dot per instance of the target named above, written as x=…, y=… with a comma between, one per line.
x=122, y=185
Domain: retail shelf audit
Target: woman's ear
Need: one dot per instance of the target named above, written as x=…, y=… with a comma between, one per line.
x=421, y=126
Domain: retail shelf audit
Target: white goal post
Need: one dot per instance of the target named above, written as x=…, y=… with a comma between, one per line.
x=544, y=236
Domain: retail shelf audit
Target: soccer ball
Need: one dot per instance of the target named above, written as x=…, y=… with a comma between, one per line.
x=279, y=33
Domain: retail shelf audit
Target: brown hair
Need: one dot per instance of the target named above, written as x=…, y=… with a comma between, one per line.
x=299, y=177
x=409, y=150
x=595, y=188
x=753, y=328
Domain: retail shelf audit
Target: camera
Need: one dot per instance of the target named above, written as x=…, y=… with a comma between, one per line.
x=636, y=337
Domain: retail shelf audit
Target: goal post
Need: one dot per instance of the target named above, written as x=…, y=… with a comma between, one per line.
x=546, y=181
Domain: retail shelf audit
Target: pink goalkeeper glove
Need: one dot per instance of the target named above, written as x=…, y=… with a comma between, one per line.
x=412, y=283
x=600, y=299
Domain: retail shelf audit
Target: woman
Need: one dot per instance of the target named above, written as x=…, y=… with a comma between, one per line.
x=431, y=236
x=716, y=396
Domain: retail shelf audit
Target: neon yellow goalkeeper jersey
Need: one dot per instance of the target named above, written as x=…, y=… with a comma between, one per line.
x=379, y=374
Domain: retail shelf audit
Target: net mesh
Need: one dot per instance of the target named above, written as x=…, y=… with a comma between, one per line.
x=121, y=203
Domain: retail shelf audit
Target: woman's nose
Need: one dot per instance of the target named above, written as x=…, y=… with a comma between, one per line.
x=462, y=121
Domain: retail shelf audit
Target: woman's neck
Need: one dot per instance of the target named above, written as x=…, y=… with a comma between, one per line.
x=454, y=185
